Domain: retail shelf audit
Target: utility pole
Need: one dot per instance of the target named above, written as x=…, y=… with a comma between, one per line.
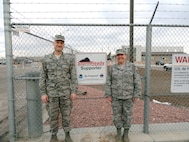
x=131, y=30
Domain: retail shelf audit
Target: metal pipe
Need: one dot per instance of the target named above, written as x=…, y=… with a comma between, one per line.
x=108, y=25
x=131, y=30
x=147, y=79
x=34, y=106
x=9, y=69
x=154, y=12
x=148, y=73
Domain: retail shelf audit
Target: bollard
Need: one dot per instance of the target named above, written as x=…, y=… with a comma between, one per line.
x=34, y=106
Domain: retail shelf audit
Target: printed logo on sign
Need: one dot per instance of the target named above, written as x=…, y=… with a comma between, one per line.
x=85, y=60
x=86, y=64
x=101, y=75
x=80, y=76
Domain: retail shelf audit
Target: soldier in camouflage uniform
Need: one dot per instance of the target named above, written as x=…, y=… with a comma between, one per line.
x=58, y=85
x=123, y=87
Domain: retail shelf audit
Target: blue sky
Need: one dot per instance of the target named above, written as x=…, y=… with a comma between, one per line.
x=168, y=12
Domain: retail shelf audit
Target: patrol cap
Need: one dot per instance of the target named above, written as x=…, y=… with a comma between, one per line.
x=120, y=51
x=59, y=37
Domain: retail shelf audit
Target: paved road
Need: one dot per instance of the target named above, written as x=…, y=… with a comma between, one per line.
x=3, y=104
x=3, y=93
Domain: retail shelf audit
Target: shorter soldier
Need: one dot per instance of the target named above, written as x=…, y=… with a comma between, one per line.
x=123, y=86
x=58, y=86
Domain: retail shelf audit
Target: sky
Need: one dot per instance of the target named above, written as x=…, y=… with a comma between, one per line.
x=102, y=12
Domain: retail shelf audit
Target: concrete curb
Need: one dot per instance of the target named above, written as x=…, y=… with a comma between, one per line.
x=107, y=134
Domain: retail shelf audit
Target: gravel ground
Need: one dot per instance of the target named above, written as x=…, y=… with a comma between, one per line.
x=93, y=110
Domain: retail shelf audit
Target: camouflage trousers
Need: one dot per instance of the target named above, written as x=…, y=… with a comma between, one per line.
x=59, y=105
x=122, y=112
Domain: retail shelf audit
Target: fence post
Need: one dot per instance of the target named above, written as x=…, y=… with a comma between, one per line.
x=147, y=78
x=9, y=70
x=34, y=106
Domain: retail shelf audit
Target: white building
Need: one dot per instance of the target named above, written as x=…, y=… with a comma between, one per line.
x=157, y=52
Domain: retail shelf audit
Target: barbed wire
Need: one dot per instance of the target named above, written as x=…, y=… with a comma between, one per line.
x=24, y=16
x=20, y=13
x=62, y=3
x=96, y=3
x=101, y=18
x=167, y=11
x=19, y=19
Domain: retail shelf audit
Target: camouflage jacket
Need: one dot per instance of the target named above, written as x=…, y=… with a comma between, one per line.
x=123, y=83
x=58, y=76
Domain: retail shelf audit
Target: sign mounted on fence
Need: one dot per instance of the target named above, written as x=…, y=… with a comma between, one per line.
x=91, y=68
x=180, y=73
x=22, y=28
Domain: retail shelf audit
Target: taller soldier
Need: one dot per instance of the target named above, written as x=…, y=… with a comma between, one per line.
x=58, y=85
x=123, y=86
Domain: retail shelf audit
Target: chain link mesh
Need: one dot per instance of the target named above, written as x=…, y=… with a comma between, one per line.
x=91, y=109
x=172, y=107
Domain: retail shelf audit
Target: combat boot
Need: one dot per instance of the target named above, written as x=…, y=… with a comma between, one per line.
x=118, y=136
x=67, y=137
x=125, y=135
x=54, y=138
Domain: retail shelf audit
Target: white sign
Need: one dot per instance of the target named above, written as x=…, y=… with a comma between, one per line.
x=180, y=73
x=22, y=28
x=91, y=68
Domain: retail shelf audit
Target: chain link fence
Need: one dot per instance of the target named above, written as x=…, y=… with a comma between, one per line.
x=170, y=109
x=91, y=109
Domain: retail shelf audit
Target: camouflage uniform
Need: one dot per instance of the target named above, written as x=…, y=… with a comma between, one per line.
x=58, y=80
x=123, y=83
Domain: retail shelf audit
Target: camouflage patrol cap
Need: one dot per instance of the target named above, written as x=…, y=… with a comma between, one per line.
x=120, y=51
x=59, y=37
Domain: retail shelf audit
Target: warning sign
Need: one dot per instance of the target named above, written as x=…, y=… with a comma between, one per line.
x=180, y=73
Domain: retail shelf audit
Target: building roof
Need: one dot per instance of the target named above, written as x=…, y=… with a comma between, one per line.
x=162, y=53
